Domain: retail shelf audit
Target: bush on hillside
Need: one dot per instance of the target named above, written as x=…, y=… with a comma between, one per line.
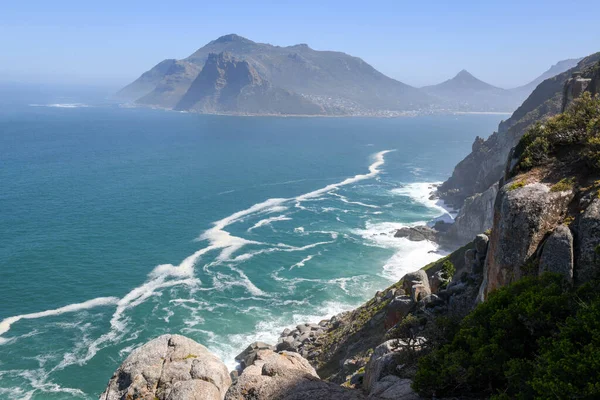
x=579, y=125
x=510, y=345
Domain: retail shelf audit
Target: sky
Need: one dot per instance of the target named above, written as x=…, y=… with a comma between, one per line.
x=506, y=43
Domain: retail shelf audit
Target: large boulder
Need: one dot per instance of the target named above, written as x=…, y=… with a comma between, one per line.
x=285, y=376
x=588, y=244
x=382, y=363
x=393, y=388
x=247, y=357
x=411, y=279
x=170, y=367
x=416, y=233
x=523, y=216
x=557, y=253
x=398, y=308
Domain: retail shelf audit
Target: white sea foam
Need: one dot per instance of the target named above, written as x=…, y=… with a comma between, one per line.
x=345, y=200
x=168, y=275
x=304, y=261
x=409, y=256
x=421, y=193
x=268, y=329
x=268, y=221
x=373, y=171
x=100, y=301
x=61, y=105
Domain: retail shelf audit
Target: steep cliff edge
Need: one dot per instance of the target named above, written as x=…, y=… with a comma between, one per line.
x=484, y=166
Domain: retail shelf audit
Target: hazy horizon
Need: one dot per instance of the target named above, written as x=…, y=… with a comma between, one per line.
x=114, y=43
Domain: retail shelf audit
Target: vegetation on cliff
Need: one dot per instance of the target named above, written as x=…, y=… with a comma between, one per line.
x=532, y=338
x=576, y=129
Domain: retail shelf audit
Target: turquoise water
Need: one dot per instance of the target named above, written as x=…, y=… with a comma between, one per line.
x=119, y=225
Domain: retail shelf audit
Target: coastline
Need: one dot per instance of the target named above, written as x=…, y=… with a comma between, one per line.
x=374, y=114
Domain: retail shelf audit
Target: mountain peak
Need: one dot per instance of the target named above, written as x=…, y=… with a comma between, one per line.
x=464, y=74
x=232, y=37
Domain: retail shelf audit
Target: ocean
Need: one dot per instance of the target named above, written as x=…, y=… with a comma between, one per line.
x=120, y=224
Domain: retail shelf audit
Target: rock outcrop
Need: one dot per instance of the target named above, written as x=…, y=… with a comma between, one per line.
x=170, y=367
x=522, y=217
x=380, y=374
x=557, y=253
x=285, y=376
x=588, y=244
x=475, y=216
x=574, y=88
x=417, y=233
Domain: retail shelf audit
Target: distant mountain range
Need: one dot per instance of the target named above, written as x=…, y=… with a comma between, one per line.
x=234, y=75
x=465, y=92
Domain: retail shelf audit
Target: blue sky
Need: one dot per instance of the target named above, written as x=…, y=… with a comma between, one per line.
x=506, y=43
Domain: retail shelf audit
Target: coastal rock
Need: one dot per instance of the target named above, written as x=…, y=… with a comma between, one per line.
x=416, y=233
x=522, y=218
x=415, y=278
x=248, y=356
x=285, y=376
x=588, y=242
x=169, y=367
x=475, y=216
x=557, y=253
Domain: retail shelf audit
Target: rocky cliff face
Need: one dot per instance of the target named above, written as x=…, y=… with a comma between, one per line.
x=485, y=165
x=229, y=85
x=523, y=216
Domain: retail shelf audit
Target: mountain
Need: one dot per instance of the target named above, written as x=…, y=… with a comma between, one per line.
x=554, y=70
x=465, y=92
x=334, y=81
x=229, y=85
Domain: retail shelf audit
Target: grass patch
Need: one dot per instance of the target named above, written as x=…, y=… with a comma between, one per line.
x=516, y=185
x=190, y=356
x=563, y=185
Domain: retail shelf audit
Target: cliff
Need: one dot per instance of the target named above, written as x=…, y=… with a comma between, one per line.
x=484, y=166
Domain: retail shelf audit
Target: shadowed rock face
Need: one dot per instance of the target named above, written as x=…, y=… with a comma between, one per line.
x=230, y=85
x=588, y=242
x=170, y=367
x=557, y=253
x=285, y=376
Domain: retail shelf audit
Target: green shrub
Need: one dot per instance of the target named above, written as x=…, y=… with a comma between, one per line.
x=578, y=125
x=448, y=270
x=569, y=364
x=494, y=350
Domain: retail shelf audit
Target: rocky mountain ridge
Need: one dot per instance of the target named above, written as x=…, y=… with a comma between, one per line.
x=332, y=83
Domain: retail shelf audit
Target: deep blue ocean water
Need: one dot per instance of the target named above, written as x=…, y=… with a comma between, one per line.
x=118, y=225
